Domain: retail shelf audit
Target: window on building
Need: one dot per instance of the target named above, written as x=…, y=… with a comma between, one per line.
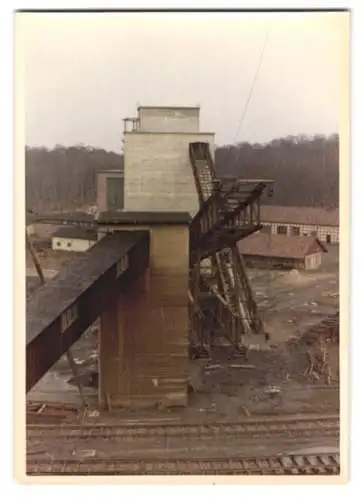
x=281, y=229
x=69, y=244
x=295, y=230
x=328, y=238
x=266, y=229
x=58, y=243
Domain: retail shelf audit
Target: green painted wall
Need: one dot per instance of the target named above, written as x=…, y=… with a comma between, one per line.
x=115, y=193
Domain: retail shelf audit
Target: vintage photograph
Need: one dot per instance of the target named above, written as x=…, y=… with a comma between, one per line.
x=182, y=241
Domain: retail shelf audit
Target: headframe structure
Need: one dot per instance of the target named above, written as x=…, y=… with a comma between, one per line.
x=221, y=299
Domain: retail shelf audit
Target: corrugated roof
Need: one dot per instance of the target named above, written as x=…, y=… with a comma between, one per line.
x=300, y=215
x=122, y=217
x=280, y=245
x=79, y=233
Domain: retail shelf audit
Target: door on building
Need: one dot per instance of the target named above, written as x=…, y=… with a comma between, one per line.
x=328, y=239
x=115, y=193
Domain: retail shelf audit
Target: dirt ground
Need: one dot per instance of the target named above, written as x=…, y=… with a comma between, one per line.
x=291, y=301
x=272, y=381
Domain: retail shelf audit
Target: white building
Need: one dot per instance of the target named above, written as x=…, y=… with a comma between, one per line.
x=157, y=171
x=74, y=239
x=301, y=221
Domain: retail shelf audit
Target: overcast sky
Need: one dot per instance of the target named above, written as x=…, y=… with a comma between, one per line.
x=85, y=72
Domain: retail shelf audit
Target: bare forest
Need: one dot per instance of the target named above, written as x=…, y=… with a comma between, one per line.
x=305, y=171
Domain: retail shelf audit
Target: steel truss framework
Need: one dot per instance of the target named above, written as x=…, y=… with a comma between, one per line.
x=221, y=300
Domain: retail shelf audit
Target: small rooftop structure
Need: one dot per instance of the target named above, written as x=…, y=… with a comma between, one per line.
x=177, y=119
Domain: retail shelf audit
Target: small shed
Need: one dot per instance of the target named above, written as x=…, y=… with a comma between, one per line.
x=282, y=252
x=74, y=239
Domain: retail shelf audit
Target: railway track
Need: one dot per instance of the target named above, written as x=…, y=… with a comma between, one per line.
x=322, y=464
x=303, y=426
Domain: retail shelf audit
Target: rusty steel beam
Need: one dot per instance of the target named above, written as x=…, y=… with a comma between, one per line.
x=227, y=237
x=215, y=215
x=253, y=197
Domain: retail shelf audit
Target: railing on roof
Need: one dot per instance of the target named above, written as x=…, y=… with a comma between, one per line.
x=131, y=125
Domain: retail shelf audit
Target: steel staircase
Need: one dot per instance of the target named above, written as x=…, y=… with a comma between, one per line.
x=229, y=211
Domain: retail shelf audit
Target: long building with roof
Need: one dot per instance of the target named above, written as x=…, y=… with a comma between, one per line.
x=302, y=221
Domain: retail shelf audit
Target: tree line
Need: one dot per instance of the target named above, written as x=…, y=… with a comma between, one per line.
x=65, y=177
x=305, y=171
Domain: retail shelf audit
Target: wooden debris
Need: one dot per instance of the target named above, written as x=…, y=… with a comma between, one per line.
x=93, y=413
x=84, y=453
x=318, y=364
x=41, y=409
x=245, y=411
x=272, y=390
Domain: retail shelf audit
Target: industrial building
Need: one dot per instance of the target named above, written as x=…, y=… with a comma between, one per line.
x=160, y=224
x=156, y=146
x=73, y=239
x=278, y=251
x=158, y=174
x=302, y=221
x=157, y=221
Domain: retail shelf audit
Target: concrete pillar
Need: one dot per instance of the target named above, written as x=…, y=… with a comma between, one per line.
x=110, y=353
x=144, y=331
x=155, y=344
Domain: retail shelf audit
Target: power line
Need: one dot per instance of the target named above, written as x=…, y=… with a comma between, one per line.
x=252, y=85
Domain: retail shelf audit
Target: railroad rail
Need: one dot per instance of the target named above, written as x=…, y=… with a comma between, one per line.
x=319, y=425
x=322, y=464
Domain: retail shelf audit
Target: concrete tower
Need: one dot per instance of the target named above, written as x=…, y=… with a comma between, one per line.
x=157, y=172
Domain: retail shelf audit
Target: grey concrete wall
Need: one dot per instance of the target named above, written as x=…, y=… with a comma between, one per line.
x=157, y=171
x=169, y=119
x=144, y=333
